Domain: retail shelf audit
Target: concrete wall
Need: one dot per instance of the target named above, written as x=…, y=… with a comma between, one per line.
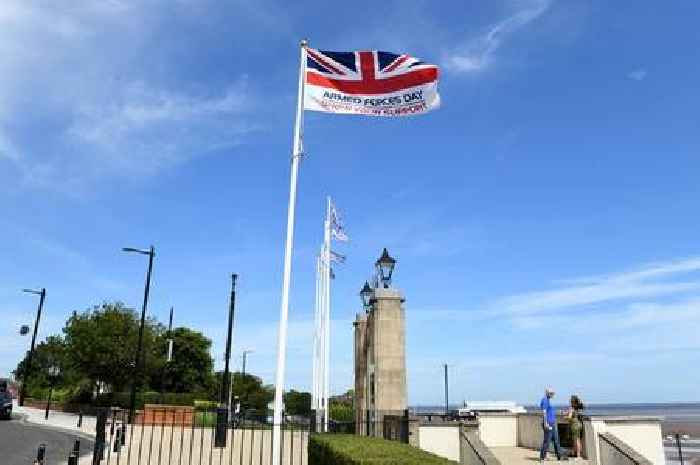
x=440, y=440
x=473, y=451
x=614, y=451
x=642, y=435
x=499, y=429
x=529, y=430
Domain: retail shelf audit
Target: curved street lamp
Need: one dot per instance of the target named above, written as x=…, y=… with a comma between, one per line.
x=385, y=267
x=28, y=366
x=54, y=372
x=151, y=252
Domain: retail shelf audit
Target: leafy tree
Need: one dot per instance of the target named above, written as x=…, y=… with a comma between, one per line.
x=253, y=395
x=297, y=403
x=51, y=352
x=341, y=411
x=191, y=368
x=102, y=344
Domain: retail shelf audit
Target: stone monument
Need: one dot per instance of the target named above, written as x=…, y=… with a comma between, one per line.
x=380, y=352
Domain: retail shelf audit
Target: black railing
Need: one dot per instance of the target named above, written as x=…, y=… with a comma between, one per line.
x=193, y=436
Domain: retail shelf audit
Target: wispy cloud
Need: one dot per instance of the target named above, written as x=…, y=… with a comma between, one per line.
x=639, y=283
x=478, y=53
x=637, y=74
x=75, y=72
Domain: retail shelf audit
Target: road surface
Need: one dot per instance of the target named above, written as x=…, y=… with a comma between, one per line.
x=19, y=442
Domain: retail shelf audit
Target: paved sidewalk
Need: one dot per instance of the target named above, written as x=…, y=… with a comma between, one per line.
x=62, y=420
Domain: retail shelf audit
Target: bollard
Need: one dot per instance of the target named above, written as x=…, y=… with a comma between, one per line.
x=221, y=423
x=118, y=440
x=80, y=419
x=72, y=459
x=123, y=434
x=40, y=454
x=98, y=453
x=76, y=447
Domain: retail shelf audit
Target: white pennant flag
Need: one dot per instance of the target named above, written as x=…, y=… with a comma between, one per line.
x=337, y=230
x=337, y=258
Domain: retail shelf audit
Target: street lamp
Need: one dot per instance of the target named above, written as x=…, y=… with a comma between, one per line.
x=678, y=437
x=137, y=365
x=54, y=373
x=366, y=295
x=385, y=267
x=245, y=356
x=28, y=366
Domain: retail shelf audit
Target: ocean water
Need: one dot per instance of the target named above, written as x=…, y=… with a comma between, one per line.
x=672, y=412
x=688, y=412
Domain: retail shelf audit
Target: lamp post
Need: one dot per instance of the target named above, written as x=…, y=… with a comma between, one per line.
x=245, y=356
x=28, y=366
x=385, y=267
x=54, y=372
x=137, y=365
x=366, y=296
x=678, y=437
x=447, y=399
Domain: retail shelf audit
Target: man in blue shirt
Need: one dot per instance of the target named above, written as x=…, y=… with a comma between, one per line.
x=549, y=425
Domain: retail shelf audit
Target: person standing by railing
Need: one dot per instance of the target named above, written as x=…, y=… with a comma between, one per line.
x=575, y=424
x=549, y=425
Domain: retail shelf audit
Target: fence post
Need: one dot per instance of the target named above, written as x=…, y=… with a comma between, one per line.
x=80, y=419
x=404, y=427
x=40, y=454
x=100, y=427
x=76, y=447
x=221, y=423
x=118, y=440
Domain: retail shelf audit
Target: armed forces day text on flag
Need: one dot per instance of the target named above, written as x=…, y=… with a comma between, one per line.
x=369, y=83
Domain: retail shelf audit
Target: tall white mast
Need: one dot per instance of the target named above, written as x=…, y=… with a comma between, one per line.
x=316, y=347
x=284, y=307
x=326, y=323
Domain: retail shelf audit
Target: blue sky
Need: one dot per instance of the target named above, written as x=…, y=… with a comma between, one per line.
x=544, y=219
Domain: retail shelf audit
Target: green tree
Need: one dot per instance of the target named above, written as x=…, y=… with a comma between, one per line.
x=297, y=403
x=52, y=352
x=191, y=368
x=253, y=395
x=341, y=411
x=102, y=343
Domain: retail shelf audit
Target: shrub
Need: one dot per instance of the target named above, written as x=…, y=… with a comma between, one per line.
x=349, y=449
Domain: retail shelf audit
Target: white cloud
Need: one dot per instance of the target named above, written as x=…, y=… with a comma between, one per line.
x=96, y=80
x=637, y=74
x=637, y=283
x=477, y=54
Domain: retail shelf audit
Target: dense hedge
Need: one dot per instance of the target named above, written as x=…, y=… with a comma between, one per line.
x=349, y=449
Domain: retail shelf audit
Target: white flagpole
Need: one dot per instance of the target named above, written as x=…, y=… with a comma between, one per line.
x=314, y=376
x=284, y=308
x=326, y=357
x=321, y=337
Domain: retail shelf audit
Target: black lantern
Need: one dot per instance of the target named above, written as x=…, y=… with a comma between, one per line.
x=385, y=267
x=365, y=295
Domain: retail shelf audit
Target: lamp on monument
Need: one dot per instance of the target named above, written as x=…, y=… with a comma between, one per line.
x=365, y=295
x=385, y=266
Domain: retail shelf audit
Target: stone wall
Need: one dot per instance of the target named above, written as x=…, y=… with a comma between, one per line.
x=614, y=451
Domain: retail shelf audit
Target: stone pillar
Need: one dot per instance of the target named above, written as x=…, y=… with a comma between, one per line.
x=360, y=401
x=388, y=354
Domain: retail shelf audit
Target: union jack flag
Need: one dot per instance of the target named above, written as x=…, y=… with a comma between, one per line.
x=369, y=82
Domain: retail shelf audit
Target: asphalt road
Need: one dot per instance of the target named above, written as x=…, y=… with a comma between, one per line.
x=19, y=442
